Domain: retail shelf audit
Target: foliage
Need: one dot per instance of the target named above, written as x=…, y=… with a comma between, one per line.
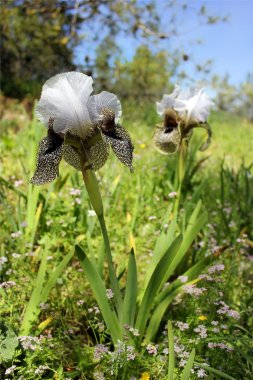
x=234, y=99
x=37, y=42
x=141, y=79
x=68, y=336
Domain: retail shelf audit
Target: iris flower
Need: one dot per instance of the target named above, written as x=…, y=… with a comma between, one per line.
x=81, y=127
x=182, y=111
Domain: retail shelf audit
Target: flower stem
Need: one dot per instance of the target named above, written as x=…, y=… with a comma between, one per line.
x=112, y=275
x=92, y=187
x=180, y=173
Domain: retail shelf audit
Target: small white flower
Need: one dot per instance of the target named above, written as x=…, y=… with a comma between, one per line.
x=173, y=194
x=10, y=370
x=201, y=373
x=183, y=279
x=91, y=213
x=109, y=293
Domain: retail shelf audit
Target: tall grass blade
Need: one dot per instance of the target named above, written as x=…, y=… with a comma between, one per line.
x=112, y=273
x=32, y=309
x=99, y=291
x=129, y=304
x=158, y=314
x=191, y=274
x=55, y=275
x=187, y=369
x=155, y=283
x=171, y=352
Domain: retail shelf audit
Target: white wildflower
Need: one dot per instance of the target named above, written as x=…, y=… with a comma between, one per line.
x=10, y=370
x=183, y=279
x=91, y=213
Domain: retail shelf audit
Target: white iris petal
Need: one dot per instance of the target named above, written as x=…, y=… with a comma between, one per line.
x=64, y=98
x=167, y=101
x=105, y=99
x=193, y=108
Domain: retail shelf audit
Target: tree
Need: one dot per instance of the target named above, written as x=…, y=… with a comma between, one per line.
x=145, y=77
x=36, y=43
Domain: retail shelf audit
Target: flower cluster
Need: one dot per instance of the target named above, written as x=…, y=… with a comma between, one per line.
x=225, y=309
x=152, y=349
x=182, y=326
x=216, y=268
x=222, y=346
x=81, y=127
x=7, y=284
x=202, y=331
x=182, y=111
x=29, y=342
x=193, y=290
x=99, y=351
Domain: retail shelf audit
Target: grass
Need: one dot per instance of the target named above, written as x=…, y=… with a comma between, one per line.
x=41, y=225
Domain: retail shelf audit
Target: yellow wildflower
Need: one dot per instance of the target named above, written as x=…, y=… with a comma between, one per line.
x=202, y=318
x=145, y=376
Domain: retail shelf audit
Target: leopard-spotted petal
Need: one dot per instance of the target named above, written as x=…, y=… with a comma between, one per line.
x=72, y=156
x=166, y=142
x=48, y=158
x=121, y=144
x=97, y=149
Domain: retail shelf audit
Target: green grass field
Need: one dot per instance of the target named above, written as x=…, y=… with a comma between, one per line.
x=66, y=336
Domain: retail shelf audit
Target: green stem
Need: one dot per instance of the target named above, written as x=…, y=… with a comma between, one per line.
x=112, y=274
x=92, y=187
x=180, y=173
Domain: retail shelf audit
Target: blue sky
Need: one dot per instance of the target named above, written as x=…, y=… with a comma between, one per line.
x=229, y=45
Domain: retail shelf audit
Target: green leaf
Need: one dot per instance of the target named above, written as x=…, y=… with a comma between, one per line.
x=112, y=273
x=190, y=235
x=54, y=276
x=158, y=314
x=129, y=304
x=165, y=298
x=155, y=283
x=171, y=352
x=192, y=273
x=8, y=344
x=187, y=369
x=164, y=240
x=32, y=309
x=99, y=291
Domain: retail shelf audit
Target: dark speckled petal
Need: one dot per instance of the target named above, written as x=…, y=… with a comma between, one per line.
x=97, y=150
x=121, y=144
x=48, y=158
x=166, y=142
x=72, y=156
